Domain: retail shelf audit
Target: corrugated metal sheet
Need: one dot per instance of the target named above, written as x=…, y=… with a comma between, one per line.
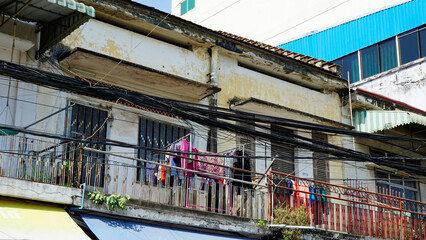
x=45, y=11
x=373, y=121
x=346, y=38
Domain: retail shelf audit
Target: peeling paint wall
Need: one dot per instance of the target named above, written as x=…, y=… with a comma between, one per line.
x=19, y=49
x=406, y=84
x=235, y=82
x=244, y=83
x=139, y=49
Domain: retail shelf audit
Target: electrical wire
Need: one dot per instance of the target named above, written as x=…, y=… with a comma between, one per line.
x=304, y=21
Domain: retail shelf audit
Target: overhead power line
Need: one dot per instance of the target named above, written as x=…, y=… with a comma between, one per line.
x=201, y=114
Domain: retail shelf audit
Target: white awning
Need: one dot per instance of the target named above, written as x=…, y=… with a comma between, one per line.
x=373, y=121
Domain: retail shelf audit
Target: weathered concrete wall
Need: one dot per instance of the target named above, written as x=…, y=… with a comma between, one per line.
x=181, y=216
x=40, y=191
x=406, y=83
x=139, y=49
x=16, y=49
x=243, y=83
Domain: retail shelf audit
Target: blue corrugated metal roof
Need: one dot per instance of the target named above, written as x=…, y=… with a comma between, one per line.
x=351, y=36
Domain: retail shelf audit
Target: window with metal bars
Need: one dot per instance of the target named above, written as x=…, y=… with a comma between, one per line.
x=320, y=161
x=153, y=134
x=87, y=122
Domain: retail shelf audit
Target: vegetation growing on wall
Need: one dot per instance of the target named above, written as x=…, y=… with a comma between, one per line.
x=112, y=201
x=291, y=216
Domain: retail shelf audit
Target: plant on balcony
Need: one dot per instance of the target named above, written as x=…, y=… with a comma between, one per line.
x=112, y=201
x=291, y=216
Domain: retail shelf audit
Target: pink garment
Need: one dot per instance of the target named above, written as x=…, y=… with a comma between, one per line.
x=303, y=196
x=184, y=147
x=305, y=199
x=209, y=168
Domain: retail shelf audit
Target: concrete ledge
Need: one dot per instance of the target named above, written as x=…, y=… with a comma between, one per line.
x=181, y=217
x=319, y=234
x=45, y=192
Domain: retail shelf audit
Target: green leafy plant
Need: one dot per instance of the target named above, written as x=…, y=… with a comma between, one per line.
x=261, y=223
x=291, y=216
x=97, y=197
x=65, y=165
x=112, y=201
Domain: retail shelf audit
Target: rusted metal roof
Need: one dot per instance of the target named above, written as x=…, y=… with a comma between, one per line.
x=329, y=66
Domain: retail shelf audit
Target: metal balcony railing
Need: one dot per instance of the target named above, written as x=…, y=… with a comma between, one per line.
x=69, y=163
x=350, y=210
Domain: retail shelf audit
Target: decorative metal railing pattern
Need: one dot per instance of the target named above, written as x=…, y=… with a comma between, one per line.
x=341, y=208
x=350, y=210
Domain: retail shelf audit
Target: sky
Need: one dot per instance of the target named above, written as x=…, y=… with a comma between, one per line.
x=163, y=5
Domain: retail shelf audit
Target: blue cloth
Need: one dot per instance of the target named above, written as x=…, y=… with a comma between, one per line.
x=312, y=196
x=289, y=185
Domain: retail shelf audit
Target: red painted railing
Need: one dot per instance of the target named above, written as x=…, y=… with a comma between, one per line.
x=351, y=210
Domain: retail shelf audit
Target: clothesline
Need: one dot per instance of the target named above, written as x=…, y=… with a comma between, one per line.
x=220, y=165
x=177, y=140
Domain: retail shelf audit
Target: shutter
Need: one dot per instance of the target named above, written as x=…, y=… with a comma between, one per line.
x=283, y=165
x=321, y=171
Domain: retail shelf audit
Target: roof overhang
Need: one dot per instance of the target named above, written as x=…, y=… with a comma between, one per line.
x=270, y=109
x=55, y=18
x=305, y=71
x=373, y=121
x=366, y=100
x=134, y=77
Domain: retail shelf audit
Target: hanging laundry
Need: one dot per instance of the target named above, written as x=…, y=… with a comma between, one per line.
x=210, y=168
x=161, y=174
x=151, y=173
x=175, y=161
x=186, y=163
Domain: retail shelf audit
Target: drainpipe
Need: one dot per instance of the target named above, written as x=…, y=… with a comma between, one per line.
x=352, y=120
x=82, y=197
x=214, y=59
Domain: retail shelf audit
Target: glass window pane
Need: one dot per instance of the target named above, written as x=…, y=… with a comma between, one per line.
x=382, y=188
x=397, y=192
x=191, y=4
x=387, y=55
x=410, y=183
x=410, y=194
x=183, y=7
x=370, y=61
x=409, y=48
x=350, y=67
x=382, y=176
x=395, y=179
x=422, y=35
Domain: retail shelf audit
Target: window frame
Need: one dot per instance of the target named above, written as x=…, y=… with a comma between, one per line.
x=421, y=53
x=391, y=184
x=68, y=129
x=318, y=136
x=277, y=145
x=150, y=123
x=186, y=6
